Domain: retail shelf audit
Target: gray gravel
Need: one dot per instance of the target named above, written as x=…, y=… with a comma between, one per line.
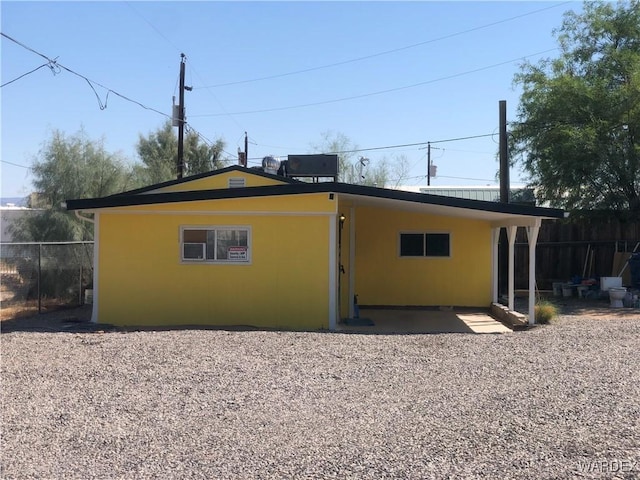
x=551, y=402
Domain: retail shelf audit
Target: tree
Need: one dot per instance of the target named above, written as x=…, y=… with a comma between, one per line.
x=350, y=169
x=68, y=168
x=579, y=114
x=159, y=152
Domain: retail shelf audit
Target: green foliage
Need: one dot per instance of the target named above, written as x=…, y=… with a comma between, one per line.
x=350, y=169
x=545, y=312
x=578, y=135
x=68, y=168
x=76, y=167
x=159, y=152
x=72, y=167
x=49, y=225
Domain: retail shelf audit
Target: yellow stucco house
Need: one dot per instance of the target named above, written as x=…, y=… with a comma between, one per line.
x=238, y=246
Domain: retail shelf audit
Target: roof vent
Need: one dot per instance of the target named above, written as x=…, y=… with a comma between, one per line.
x=236, y=182
x=270, y=164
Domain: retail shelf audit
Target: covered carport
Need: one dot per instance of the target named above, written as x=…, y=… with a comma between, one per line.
x=496, y=216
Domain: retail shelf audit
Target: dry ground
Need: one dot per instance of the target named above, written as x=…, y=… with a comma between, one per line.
x=559, y=401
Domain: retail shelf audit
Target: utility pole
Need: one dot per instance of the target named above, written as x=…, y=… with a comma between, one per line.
x=504, y=158
x=428, y=163
x=181, y=119
x=246, y=148
x=503, y=245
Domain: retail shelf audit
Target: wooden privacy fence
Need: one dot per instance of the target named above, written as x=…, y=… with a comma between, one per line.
x=571, y=248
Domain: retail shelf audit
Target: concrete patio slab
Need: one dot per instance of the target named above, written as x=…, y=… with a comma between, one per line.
x=483, y=323
x=415, y=320
x=409, y=321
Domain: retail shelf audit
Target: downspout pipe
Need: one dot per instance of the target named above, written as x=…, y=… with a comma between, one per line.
x=94, y=312
x=82, y=218
x=77, y=214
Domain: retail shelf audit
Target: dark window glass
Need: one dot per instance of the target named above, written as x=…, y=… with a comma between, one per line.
x=194, y=236
x=192, y=251
x=411, y=244
x=216, y=245
x=438, y=245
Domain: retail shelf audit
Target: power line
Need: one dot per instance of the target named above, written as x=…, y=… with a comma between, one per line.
x=25, y=74
x=54, y=64
x=15, y=164
x=190, y=129
x=381, y=92
x=217, y=100
x=462, y=138
x=388, y=147
x=102, y=105
x=191, y=67
x=153, y=26
x=386, y=52
x=28, y=48
x=466, y=178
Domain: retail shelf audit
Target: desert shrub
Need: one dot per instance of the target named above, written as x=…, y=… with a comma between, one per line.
x=545, y=311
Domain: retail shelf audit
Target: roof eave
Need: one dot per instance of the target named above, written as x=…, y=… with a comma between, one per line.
x=297, y=188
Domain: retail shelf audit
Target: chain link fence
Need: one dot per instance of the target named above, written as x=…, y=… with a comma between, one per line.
x=36, y=277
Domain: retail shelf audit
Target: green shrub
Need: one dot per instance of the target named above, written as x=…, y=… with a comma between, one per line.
x=545, y=311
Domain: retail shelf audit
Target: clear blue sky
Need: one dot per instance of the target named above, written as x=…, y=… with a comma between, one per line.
x=450, y=64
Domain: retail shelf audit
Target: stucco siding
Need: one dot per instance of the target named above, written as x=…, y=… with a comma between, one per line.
x=383, y=277
x=285, y=285
x=218, y=181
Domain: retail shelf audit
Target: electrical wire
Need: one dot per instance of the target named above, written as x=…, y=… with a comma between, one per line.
x=380, y=92
x=189, y=129
x=390, y=147
x=54, y=64
x=465, y=178
x=102, y=105
x=191, y=68
x=458, y=139
x=153, y=26
x=462, y=138
x=386, y=52
x=15, y=164
x=28, y=48
x=25, y=74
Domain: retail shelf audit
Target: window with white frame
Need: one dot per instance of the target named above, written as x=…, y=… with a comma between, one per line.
x=425, y=244
x=215, y=244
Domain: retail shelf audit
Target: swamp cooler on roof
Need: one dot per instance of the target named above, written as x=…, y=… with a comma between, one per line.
x=321, y=165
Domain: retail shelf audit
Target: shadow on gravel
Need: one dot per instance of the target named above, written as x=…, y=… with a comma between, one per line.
x=69, y=320
x=78, y=320
x=587, y=308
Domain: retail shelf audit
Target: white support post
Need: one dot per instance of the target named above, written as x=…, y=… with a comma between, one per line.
x=532, y=233
x=333, y=271
x=495, y=240
x=352, y=259
x=511, y=234
x=96, y=264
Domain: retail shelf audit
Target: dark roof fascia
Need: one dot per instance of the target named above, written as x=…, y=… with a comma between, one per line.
x=298, y=188
x=123, y=200
x=213, y=173
x=426, y=198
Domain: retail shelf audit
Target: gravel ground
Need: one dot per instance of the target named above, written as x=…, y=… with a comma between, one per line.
x=559, y=401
